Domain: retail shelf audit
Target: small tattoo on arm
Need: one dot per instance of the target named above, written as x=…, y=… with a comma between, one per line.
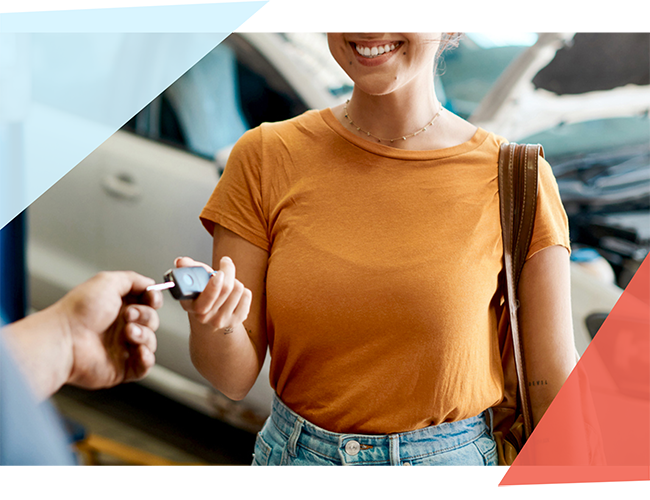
x=227, y=330
x=537, y=382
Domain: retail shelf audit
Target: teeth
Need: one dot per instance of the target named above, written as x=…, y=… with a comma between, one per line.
x=375, y=51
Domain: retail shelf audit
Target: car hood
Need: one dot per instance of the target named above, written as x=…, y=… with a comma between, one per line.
x=569, y=77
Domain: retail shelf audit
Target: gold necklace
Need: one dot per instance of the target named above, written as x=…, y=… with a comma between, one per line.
x=379, y=139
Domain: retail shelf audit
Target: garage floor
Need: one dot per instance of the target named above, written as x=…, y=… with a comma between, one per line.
x=149, y=423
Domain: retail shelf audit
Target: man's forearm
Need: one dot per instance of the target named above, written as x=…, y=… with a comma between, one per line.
x=42, y=347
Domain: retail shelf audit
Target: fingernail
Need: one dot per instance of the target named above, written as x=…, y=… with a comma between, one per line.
x=136, y=331
x=225, y=257
x=132, y=314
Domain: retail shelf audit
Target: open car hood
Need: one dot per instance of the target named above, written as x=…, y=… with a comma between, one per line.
x=569, y=77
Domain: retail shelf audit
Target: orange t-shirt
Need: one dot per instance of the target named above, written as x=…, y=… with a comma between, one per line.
x=383, y=270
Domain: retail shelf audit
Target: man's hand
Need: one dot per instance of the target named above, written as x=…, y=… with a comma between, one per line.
x=110, y=323
x=99, y=335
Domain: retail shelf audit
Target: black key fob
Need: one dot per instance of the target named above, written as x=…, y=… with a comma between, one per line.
x=189, y=282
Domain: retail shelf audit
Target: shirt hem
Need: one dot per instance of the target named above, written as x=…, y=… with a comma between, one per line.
x=210, y=218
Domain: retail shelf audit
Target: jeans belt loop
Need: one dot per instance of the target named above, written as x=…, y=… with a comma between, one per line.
x=295, y=434
x=491, y=413
x=393, y=449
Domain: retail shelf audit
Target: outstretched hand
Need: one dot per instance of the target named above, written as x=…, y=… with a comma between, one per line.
x=110, y=321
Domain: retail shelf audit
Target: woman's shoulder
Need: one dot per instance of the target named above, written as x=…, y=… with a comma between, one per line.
x=268, y=136
x=308, y=119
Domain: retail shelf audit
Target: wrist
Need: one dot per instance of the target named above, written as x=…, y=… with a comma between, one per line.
x=61, y=322
x=207, y=329
x=41, y=345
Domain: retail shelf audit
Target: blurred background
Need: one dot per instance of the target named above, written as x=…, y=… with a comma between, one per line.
x=133, y=203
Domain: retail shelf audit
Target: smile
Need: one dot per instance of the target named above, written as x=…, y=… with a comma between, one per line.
x=375, y=51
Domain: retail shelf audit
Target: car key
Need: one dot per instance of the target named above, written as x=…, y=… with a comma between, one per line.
x=184, y=283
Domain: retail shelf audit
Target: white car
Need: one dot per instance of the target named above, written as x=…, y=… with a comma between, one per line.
x=134, y=202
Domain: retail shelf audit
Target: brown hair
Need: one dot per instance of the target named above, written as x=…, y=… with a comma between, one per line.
x=448, y=42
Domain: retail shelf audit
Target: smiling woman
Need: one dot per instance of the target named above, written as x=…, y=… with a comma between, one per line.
x=362, y=245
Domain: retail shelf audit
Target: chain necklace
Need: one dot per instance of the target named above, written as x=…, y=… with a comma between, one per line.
x=379, y=139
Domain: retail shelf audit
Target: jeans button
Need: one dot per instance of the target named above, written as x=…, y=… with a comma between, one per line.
x=352, y=448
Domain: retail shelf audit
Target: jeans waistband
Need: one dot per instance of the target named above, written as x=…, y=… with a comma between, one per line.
x=358, y=448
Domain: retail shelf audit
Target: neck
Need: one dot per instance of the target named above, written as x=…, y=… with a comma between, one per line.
x=394, y=115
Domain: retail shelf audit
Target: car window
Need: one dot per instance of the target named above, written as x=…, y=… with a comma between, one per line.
x=207, y=105
x=233, y=88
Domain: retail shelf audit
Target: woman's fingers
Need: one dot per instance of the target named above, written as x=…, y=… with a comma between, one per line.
x=224, y=299
x=243, y=307
x=227, y=267
x=189, y=262
x=204, y=305
x=232, y=301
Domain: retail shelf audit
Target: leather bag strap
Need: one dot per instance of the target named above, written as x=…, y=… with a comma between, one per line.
x=518, y=166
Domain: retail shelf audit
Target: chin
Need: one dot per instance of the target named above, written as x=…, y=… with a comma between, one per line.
x=375, y=88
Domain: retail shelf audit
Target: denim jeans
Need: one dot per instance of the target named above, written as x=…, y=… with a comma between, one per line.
x=289, y=439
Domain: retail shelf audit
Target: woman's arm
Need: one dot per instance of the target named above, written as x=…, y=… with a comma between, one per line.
x=545, y=320
x=228, y=320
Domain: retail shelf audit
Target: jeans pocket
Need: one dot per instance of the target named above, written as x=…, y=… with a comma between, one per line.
x=262, y=451
x=306, y=456
x=487, y=448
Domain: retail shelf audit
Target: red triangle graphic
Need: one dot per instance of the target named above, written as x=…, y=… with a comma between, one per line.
x=598, y=427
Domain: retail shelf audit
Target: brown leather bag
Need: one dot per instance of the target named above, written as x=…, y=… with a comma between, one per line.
x=513, y=417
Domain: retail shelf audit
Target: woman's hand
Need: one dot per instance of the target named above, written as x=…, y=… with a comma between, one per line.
x=224, y=304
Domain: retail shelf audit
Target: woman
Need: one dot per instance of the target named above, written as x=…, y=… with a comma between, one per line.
x=368, y=247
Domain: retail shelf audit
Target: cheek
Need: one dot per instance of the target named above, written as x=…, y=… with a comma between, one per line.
x=340, y=56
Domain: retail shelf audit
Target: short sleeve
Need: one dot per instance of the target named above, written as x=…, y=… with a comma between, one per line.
x=236, y=202
x=551, y=222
